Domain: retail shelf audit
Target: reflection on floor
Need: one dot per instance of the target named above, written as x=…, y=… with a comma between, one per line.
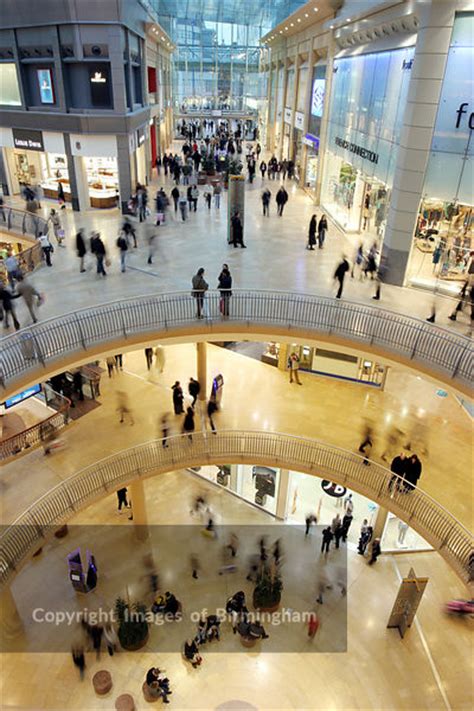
x=429, y=668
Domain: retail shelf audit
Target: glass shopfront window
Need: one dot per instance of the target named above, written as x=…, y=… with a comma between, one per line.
x=443, y=247
x=9, y=87
x=256, y=484
x=368, y=99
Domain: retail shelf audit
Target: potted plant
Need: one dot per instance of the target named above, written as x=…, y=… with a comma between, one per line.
x=132, y=624
x=209, y=165
x=234, y=167
x=267, y=592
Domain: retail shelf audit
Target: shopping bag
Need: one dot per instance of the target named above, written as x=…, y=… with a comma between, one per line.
x=160, y=218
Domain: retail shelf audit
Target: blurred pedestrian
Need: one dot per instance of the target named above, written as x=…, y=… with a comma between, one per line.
x=375, y=551
x=81, y=249
x=160, y=358
x=123, y=408
x=340, y=274
x=165, y=429
x=122, y=499
x=322, y=229
x=312, y=233
x=30, y=295
x=149, y=357
x=79, y=659
x=188, y=423
x=178, y=398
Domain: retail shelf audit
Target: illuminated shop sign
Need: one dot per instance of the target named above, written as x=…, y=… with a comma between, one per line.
x=24, y=395
x=45, y=83
x=461, y=111
x=317, y=99
x=358, y=150
x=29, y=140
x=97, y=78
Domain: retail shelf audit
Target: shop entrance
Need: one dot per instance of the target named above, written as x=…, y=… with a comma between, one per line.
x=375, y=202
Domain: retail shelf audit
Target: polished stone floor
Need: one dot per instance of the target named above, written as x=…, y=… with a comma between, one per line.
x=428, y=669
x=276, y=258
x=259, y=396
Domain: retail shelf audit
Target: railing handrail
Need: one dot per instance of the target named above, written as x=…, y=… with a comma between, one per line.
x=416, y=507
x=32, y=435
x=40, y=223
x=447, y=354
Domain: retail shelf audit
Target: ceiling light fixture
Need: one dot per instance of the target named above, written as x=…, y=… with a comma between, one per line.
x=292, y=24
x=281, y=32
x=286, y=28
x=315, y=9
x=299, y=19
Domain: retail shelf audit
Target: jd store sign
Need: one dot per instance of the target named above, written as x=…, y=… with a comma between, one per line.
x=333, y=489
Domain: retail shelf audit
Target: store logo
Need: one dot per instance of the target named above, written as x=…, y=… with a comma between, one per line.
x=358, y=150
x=407, y=64
x=29, y=140
x=98, y=78
x=333, y=489
x=460, y=113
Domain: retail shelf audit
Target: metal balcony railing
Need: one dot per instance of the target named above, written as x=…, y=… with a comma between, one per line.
x=30, y=530
x=31, y=436
x=32, y=351
x=22, y=222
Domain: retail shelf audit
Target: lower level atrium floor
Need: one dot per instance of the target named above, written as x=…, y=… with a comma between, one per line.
x=428, y=669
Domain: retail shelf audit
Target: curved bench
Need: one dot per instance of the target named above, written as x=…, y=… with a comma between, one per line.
x=34, y=353
x=425, y=515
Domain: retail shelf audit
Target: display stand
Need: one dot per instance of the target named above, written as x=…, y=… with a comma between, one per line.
x=81, y=581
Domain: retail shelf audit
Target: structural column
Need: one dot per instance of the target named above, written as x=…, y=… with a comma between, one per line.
x=282, y=496
x=431, y=52
x=380, y=520
x=124, y=171
x=201, y=353
x=323, y=134
x=10, y=620
x=140, y=517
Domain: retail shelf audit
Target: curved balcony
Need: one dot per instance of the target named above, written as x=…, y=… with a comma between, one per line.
x=20, y=540
x=28, y=356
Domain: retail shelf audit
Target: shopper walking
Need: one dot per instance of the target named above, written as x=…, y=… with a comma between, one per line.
x=160, y=358
x=98, y=249
x=175, y=194
x=266, y=197
x=322, y=229
x=340, y=274
x=123, y=408
x=178, y=398
x=122, y=245
x=194, y=197
x=47, y=249
x=81, y=249
x=149, y=357
x=281, y=200
x=12, y=267
x=29, y=294
x=217, y=195
x=188, y=424
x=365, y=536
x=6, y=305
x=200, y=286
x=375, y=551
x=224, y=285
x=211, y=411
x=122, y=499
x=294, y=364
x=183, y=207
x=237, y=231
x=55, y=223
x=263, y=169
x=346, y=524
x=312, y=233
x=327, y=538
x=413, y=470
x=194, y=389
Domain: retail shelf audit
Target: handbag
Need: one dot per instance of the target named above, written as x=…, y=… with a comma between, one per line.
x=160, y=218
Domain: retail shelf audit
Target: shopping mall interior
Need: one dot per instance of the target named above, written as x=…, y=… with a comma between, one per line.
x=236, y=475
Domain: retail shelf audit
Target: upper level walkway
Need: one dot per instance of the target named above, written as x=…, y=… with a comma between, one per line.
x=275, y=258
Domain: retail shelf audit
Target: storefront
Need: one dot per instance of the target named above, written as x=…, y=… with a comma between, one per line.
x=443, y=245
x=368, y=99
x=95, y=162
x=38, y=158
x=35, y=158
x=293, y=496
x=255, y=484
x=297, y=143
x=328, y=362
